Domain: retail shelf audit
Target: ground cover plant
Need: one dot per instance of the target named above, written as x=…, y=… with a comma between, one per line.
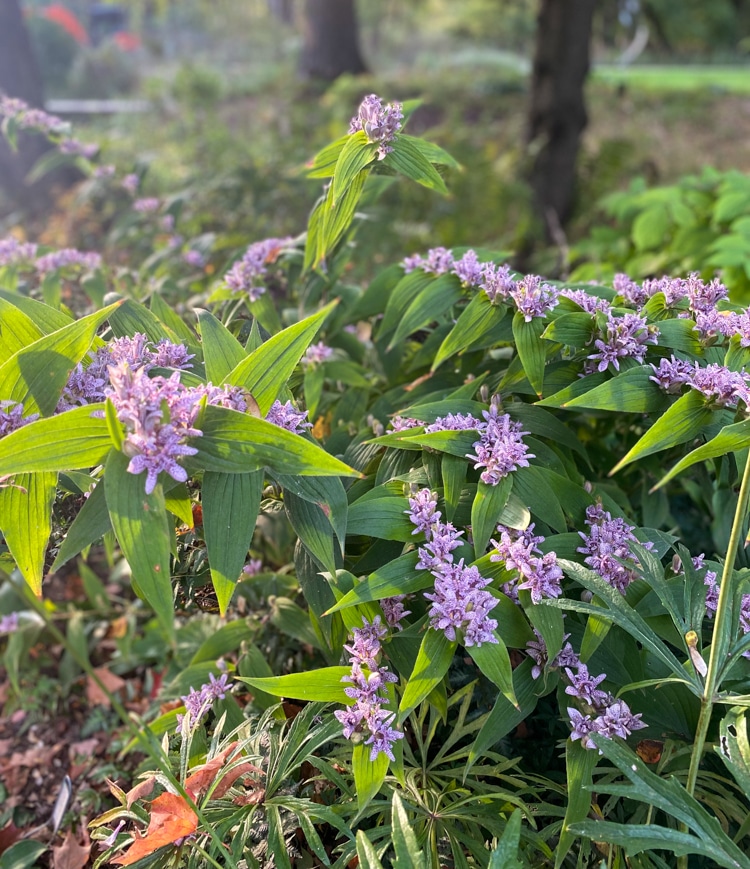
x=443, y=521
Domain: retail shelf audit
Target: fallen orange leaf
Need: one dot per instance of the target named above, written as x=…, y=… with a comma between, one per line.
x=171, y=819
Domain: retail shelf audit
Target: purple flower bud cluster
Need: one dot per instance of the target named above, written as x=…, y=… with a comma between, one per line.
x=76, y=148
x=721, y=386
x=538, y=573
x=712, y=599
x=536, y=649
x=590, y=304
x=497, y=282
x=455, y=422
x=468, y=269
x=106, y=171
x=9, y=623
x=288, y=417
x=231, y=397
x=672, y=374
x=68, y=258
x=194, y=259
x=253, y=567
x=533, y=297
x=460, y=601
x=368, y=686
x=16, y=253
x=317, y=353
x=12, y=418
x=378, y=122
x=130, y=183
x=147, y=205
x=607, y=544
x=500, y=448
x=27, y=118
x=394, y=610
x=197, y=703
x=439, y=261
x=402, y=423
x=625, y=337
x=247, y=275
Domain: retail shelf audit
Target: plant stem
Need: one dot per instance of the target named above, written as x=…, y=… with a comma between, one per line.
x=726, y=592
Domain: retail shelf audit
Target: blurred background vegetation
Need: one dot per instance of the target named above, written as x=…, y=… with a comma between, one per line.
x=236, y=105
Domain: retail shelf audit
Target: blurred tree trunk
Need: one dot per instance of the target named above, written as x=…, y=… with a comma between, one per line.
x=331, y=40
x=557, y=111
x=283, y=10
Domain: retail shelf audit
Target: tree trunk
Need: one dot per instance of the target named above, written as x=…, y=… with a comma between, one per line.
x=331, y=40
x=283, y=10
x=557, y=111
x=20, y=77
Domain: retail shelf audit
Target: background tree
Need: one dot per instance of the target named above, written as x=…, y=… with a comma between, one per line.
x=331, y=40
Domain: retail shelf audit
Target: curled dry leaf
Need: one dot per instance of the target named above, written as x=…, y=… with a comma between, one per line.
x=171, y=819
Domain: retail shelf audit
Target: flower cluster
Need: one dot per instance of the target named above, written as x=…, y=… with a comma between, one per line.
x=368, y=686
x=539, y=573
x=454, y=422
x=198, y=702
x=712, y=599
x=68, y=258
x=500, y=448
x=9, y=623
x=536, y=649
x=27, y=118
x=624, y=337
x=16, y=253
x=439, y=261
x=248, y=274
x=459, y=601
x=288, y=417
x=607, y=545
x=317, y=353
x=719, y=384
x=394, y=610
x=497, y=282
x=378, y=122
x=533, y=297
x=147, y=205
x=590, y=304
x=12, y=418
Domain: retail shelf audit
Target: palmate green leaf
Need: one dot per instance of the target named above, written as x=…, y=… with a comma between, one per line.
x=399, y=576
x=369, y=775
x=144, y=533
x=434, y=659
x=236, y=443
x=531, y=348
x=632, y=391
x=222, y=352
x=382, y=514
x=579, y=765
x=356, y=154
x=90, y=525
x=408, y=854
x=431, y=304
x=74, y=439
x=476, y=320
x=324, y=685
x=265, y=372
x=494, y=662
x=486, y=510
x=26, y=522
x=678, y=424
x=47, y=319
x=408, y=159
x=230, y=509
x=313, y=529
x=17, y=330
x=37, y=374
x=729, y=440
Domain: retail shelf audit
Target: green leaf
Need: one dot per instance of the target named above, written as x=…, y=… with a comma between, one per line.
x=222, y=352
x=227, y=639
x=236, y=443
x=130, y=317
x=324, y=685
x=631, y=391
x=505, y=854
x=276, y=839
x=265, y=372
x=230, y=510
x=734, y=746
x=26, y=522
x=476, y=320
x=574, y=330
x=90, y=525
x=531, y=349
x=313, y=529
x=324, y=162
x=408, y=159
x=327, y=492
x=651, y=227
x=356, y=154
x=678, y=424
x=402, y=295
x=579, y=764
x=680, y=335
x=486, y=510
x=367, y=856
x=434, y=153
x=457, y=443
x=396, y=577
x=292, y=620
x=336, y=220
x=380, y=513
x=407, y=852
x=494, y=662
x=17, y=330
x=143, y=531
x=71, y=440
x=177, y=500
x=46, y=318
x=37, y=374
x=434, y=659
x=23, y=855
x=453, y=470
x=369, y=775
x=431, y=304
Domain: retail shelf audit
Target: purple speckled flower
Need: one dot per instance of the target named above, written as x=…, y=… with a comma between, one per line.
x=500, y=448
x=287, y=416
x=721, y=386
x=194, y=258
x=497, y=282
x=198, y=702
x=439, y=261
x=253, y=567
x=590, y=304
x=106, y=171
x=540, y=574
x=625, y=337
x=423, y=510
x=738, y=324
x=75, y=148
x=402, y=423
x=585, y=687
x=130, y=183
x=607, y=545
x=630, y=291
x=68, y=258
x=468, y=269
x=28, y=118
x=9, y=623
x=533, y=297
x=378, y=122
x=712, y=324
x=704, y=296
x=16, y=253
x=247, y=275
x=12, y=418
x=317, y=353
x=147, y=205
x=231, y=397
x=455, y=422
x=394, y=610
x=169, y=355
x=672, y=374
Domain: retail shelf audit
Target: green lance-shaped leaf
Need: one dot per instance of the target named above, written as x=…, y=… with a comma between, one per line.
x=434, y=153
x=37, y=374
x=356, y=154
x=381, y=514
x=476, y=320
x=222, y=352
x=734, y=746
x=577, y=386
x=230, y=509
x=579, y=764
x=143, y=531
x=505, y=854
x=453, y=470
x=324, y=685
x=680, y=335
x=486, y=510
x=367, y=856
x=334, y=220
x=494, y=662
x=431, y=304
x=573, y=330
x=457, y=443
x=403, y=294
x=327, y=492
x=532, y=350
x=17, y=330
x=46, y=318
x=131, y=317
x=265, y=372
x=369, y=775
x=396, y=577
x=90, y=525
x=632, y=391
x=236, y=443
x=26, y=522
x=408, y=159
x=679, y=424
x=178, y=502
x=173, y=321
x=729, y=440
x=407, y=852
x=313, y=529
x=74, y=439
x=324, y=162
x=434, y=659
